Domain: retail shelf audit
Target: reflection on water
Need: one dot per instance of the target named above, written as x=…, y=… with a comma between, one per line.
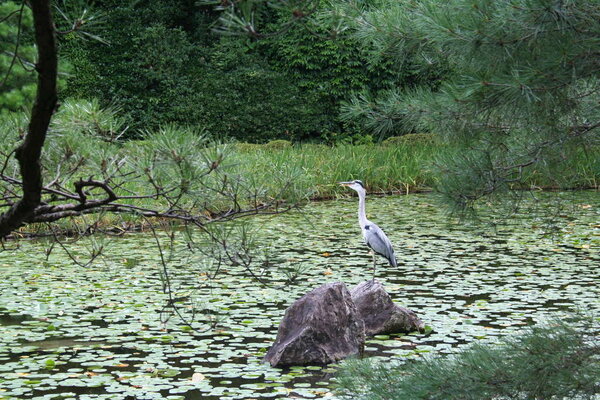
x=96, y=332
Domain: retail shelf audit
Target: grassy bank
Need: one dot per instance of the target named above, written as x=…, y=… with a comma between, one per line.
x=209, y=177
x=396, y=166
x=384, y=168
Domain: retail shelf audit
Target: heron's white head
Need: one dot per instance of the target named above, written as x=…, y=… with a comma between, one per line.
x=355, y=185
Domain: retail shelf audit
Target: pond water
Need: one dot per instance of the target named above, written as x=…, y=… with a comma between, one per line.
x=95, y=332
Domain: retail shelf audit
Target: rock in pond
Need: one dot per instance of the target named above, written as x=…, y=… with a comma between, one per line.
x=379, y=313
x=321, y=327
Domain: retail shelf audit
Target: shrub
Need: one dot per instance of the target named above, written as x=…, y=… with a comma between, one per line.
x=247, y=147
x=145, y=72
x=165, y=65
x=238, y=95
x=158, y=73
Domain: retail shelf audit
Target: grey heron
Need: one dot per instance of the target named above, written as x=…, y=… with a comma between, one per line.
x=374, y=236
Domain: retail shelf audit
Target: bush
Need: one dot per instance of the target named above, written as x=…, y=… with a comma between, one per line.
x=158, y=72
x=238, y=95
x=331, y=65
x=145, y=72
x=165, y=65
x=247, y=147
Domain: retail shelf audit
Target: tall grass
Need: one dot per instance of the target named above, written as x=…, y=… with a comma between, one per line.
x=404, y=168
x=84, y=142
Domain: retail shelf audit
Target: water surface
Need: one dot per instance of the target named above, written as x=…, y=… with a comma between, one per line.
x=95, y=333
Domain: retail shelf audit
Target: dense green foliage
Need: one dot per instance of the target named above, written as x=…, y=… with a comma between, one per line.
x=554, y=362
x=240, y=96
x=500, y=120
x=17, y=79
x=521, y=92
x=165, y=65
x=144, y=66
x=333, y=64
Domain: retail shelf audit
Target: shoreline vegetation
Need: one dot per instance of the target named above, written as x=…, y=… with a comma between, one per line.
x=85, y=140
x=399, y=165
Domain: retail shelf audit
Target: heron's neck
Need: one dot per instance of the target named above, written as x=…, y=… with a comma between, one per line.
x=362, y=216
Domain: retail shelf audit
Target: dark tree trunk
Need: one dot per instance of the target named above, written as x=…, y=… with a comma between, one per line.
x=29, y=152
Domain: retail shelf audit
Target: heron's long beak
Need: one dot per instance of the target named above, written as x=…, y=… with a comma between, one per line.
x=345, y=183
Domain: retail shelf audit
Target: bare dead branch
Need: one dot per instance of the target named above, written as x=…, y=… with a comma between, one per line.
x=111, y=196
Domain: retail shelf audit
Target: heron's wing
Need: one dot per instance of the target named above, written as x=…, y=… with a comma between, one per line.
x=377, y=240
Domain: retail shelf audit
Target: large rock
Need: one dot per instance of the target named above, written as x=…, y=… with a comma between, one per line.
x=379, y=313
x=321, y=327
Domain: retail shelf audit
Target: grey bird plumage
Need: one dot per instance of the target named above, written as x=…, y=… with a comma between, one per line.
x=378, y=241
x=373, y=235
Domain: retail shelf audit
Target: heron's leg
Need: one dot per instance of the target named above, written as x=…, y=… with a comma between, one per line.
x=374, y=263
